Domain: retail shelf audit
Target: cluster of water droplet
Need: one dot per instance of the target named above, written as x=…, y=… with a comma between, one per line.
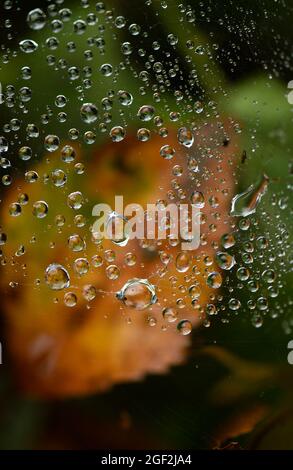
x=210, y=280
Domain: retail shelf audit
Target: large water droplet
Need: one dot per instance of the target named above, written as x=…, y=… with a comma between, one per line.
x=57, y=277
x=89, y=113
x=28, y=46
x=138, y=294
x=36, y=19
x=185, y=137
x=214, y=280
x=184, y=327
x=225, y=260
x=183, y=262
x=246, y=203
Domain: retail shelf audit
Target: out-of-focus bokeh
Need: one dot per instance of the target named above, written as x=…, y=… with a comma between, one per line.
x=161, y=102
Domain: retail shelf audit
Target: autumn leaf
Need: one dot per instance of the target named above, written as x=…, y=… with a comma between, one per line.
x=60, y=351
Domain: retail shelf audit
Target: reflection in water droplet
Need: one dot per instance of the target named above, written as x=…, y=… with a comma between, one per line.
x=70, y=299
x=228, y=240
x=138, y=294
x=185, y=137
x=225, y=260
x=169, y=314
x=214, y=280
x=246, y=203
x=117, y=133
x=40, y=209
x=89, y=113
x=116, y=230
x=183, y=262
x=57, y=277
x=28, y=46
x=146, y=112
x=36, y=19
x=197, y=199
x=184, y=327
x=3, y=145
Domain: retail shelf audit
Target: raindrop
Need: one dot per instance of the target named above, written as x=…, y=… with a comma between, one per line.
x=36, y=19
x=185, y=137
x=225, y=260
x=40, y=209
x=57, y=277
x=167, y=152
x=246, y=203
x=146, y=112
x=170, y=314
x=28, y=46
x=184, y=327
x=89, y=113
x=75, y=200
x=125, y=98
x=3, y=145
x=76, y=243
x=197, y=199
x=138, y=294
x=214, y=280
x=117, y=133
x=52, y=143
x=58, y=178
x=183, y=262
x=70, y=299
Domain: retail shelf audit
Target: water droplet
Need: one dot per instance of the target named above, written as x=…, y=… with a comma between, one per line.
x=225, y=260
x=58, y=178
x=228, y=240
x=234, y=304
x=75, y=200
x=112, y=272
x=183, y=262
x=246, y=203
x=117, y=133
x=125, y=98
x=184, y=327
x=185, y=137
x=138, y=294
x=15, y=209
x=197, y=199
x=146, y=112
x=40, y=209
x=269, y=276
x=25, y=153
x=170, y=314
x=116, y=230
x=214, y=280
x=76, y=243
x=28, y=46
x=68, y=154
x=81, y=266
x=3, y=145
x=143, y=134
x=167, y=152
x=243, y=274
x=57, y=277
x=52, y=143
x=36, y=19
x=89, y=113
x=70, y=299
x=106, y=70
